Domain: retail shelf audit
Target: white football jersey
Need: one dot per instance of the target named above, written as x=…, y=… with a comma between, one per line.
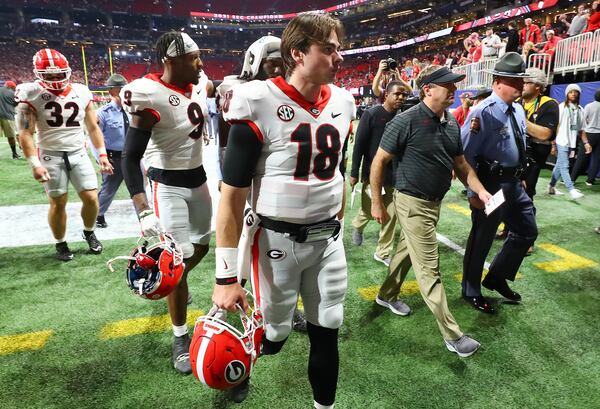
x=176, y=142
x=59, y=117
x=297, y=177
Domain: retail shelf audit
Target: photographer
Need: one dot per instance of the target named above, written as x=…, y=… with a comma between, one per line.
x=386, y=73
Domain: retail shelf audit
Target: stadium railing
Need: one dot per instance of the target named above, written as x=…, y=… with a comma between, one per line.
x=541, y=61
x=577, y=53
x=572, y=54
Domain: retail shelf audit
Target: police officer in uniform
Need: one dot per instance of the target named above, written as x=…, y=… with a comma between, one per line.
x=113, y=121
x=497, y=150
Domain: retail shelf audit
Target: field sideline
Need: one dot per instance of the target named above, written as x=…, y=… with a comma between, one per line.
x=85, y=352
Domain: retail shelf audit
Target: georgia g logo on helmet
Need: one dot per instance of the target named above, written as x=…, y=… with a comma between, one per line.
x=235, y=371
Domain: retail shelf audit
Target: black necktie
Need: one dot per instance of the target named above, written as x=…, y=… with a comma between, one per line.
x=517, y=134
x=125, y=121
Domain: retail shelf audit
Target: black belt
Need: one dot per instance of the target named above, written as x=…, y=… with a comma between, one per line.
x=494, y=169
x=65, y=157
x=422, y=196
x=113, y=154
x=302, y=232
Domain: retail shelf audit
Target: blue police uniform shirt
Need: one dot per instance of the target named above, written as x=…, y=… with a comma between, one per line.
x=110, y=117
x=495, y=140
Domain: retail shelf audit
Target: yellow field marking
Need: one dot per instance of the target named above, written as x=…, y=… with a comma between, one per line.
x=31, y=341
x=567, y=260
x=465, y=211
x=142, y=325
x=300, y=304
x=458, y=276
x=369, y=293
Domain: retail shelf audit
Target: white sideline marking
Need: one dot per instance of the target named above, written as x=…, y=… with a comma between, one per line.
x=449, y=243
x=27, y=225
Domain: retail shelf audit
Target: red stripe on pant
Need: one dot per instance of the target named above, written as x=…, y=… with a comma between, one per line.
x=255, y=280
x=155, y=188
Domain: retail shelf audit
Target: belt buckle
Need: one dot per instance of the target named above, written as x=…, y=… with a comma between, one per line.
x=519, y=171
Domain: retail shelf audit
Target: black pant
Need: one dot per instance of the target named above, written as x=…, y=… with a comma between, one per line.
x=582, y=159
x=518, y=214
x=539, y=153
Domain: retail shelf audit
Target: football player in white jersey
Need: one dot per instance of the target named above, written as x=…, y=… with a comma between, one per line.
x=287, y=140
x=261, y=61
x=59, y=110
x=168, y=114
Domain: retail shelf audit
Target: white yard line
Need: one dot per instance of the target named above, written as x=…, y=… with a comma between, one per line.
x=27, y=225
x=449, y=243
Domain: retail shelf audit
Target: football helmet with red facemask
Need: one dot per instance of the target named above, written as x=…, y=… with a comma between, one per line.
x=52, y=69
x=154, y=268
x=221, y=355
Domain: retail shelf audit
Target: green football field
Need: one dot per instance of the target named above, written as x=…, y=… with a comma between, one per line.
x=72, y=336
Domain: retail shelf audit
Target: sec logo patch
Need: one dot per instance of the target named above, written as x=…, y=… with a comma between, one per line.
x=285, y=113
x=174, y=100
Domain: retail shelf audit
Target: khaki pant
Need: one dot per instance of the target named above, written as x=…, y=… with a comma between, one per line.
x=418, y=247
x=388, y=230
x=7, y=127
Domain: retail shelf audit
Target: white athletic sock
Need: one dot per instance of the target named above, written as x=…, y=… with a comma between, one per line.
x=180, y=330
x=60, y=240
x=319, y=406
x=90, y=229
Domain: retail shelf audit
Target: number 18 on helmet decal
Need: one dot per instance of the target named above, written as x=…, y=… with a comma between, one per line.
x=154, y=268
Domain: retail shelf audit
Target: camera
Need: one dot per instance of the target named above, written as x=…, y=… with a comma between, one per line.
x=409, y=103
x=391, y=64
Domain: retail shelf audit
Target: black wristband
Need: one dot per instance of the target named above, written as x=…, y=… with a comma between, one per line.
x=227, y=281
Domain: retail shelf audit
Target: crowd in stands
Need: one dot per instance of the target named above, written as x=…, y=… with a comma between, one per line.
x=525, y=36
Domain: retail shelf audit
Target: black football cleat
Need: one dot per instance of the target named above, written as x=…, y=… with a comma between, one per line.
x=62, y=252
x=93, y=242
x=239, y=393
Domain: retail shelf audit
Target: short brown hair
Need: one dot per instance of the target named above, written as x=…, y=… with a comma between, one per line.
x=430, y=69
x=304, y=31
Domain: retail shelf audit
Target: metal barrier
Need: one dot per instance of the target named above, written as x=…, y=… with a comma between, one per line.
x=541, y=61
x=573, y=54
x=595, y=63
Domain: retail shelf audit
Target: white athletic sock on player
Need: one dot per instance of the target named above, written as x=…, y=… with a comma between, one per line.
x=60, y=240
x=180, y=330
x=319, y=406
x=90, y=229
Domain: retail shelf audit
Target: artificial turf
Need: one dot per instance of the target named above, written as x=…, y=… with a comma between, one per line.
x=541, y=354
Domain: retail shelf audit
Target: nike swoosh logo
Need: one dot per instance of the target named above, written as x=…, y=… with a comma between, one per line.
x=226, y=266
x=335, y=115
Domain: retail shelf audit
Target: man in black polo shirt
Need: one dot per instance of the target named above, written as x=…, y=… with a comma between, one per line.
x=368, y=136
x=426, y=146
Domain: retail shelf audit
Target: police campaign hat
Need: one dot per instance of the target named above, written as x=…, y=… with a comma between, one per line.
x=510, y=65
x=116, y=80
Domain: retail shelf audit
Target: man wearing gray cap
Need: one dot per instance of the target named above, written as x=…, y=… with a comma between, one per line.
x=113, y=121
x=425, y=144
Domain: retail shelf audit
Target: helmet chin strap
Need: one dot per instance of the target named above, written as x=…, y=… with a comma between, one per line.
x=141, y=282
